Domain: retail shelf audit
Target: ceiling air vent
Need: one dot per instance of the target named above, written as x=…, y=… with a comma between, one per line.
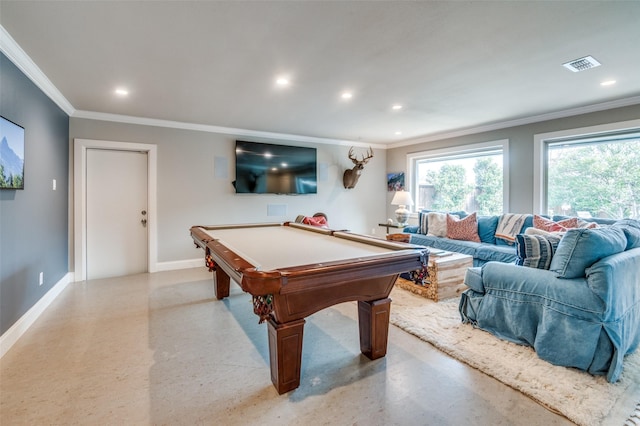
x=582, y=64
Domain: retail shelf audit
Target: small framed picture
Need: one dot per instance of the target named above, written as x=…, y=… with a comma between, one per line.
x=11, y=155
x=395, y=181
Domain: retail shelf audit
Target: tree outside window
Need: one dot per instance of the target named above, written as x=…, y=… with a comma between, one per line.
x=594, y=179
x=469, y=183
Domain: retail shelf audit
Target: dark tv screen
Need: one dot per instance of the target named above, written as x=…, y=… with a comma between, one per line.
x=11, y=155
x=263, y=168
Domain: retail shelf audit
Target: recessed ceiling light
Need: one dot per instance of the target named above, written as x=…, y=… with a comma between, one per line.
x=608, y=83
x=122, y=92
x=396, y=107
x=282, y=81
x=398, y=133
x=347, y=95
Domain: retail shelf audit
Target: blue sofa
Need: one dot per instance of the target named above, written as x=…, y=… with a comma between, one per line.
x=581, y=309
x=489, y=248
x=583, y=312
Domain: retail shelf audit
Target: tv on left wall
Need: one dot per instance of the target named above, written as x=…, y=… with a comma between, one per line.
x=11, y=155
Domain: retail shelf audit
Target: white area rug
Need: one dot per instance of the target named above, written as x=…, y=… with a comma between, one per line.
x=582, y=398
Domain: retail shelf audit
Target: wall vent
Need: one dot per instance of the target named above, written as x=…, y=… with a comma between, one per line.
x=582, y=64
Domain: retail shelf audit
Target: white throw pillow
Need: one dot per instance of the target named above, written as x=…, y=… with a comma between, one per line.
x=535, y=231
x=438, y=224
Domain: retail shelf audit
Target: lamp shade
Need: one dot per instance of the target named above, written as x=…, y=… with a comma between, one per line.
x=402, y=198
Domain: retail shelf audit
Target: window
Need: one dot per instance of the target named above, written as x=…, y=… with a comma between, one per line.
x=469, y=178
x=590, y=174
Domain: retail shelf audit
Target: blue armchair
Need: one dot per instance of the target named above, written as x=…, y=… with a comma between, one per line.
x=583, y=312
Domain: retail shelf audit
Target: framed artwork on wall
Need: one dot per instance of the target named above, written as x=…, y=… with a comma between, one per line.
x=11, y=155
x=395, y=181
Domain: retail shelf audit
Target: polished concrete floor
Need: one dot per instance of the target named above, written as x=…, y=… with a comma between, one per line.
x=159, y=349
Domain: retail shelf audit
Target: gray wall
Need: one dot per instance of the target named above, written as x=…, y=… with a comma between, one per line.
x=33, y=221
x=190, y=194
x=520, y=149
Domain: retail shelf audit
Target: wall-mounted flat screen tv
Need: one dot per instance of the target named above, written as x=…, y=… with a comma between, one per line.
x=263, y=168
x=11, y=155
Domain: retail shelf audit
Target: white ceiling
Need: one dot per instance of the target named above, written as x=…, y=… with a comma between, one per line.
x=453, y=65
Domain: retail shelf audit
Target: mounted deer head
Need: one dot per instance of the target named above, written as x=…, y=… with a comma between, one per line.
x=351, y=176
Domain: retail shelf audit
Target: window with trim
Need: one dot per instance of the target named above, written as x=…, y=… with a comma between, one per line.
x=472, y=178
x=594, y=175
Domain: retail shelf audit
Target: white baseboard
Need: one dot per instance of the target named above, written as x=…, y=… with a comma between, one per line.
x=11, y=336
x=179, y=264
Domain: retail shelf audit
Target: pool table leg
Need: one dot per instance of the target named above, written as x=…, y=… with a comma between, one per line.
x=221, y=283
x=285, y=354
x=373, y=318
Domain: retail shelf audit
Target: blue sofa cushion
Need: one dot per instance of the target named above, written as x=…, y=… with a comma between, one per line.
x=487, y=228
x=459, y=246
x=581, y=248
x=631, y=229
x=536, y=251
x=489, y=252
x=473, y=279
x=464, y=247
x=411, y=229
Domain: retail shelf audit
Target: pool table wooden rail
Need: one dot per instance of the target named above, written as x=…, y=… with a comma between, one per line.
x=293, y=279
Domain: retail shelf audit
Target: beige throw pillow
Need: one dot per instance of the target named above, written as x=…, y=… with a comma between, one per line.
x=438, y=224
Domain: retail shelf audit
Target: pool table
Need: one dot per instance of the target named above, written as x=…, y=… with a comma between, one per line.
x=294, y=270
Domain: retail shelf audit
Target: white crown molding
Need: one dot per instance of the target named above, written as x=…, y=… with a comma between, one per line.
x=19, y=57
x=90, y=115
x=521, y=121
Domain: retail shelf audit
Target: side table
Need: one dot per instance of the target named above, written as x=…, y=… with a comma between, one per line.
x=395, y=227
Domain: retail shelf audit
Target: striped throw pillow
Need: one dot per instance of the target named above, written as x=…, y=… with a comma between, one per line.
x=536, y=251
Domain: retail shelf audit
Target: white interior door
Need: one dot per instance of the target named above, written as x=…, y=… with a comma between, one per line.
x=116, y=215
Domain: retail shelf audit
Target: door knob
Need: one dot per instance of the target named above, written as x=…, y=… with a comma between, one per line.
x=144, y=222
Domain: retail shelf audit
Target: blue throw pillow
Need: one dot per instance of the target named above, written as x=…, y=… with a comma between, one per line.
x=581, y=248
x=487, y=228
x=631, y=229
x=536, y=251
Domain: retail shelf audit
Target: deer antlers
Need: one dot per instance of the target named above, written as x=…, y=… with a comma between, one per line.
x=365, y=159
x=351, y=176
